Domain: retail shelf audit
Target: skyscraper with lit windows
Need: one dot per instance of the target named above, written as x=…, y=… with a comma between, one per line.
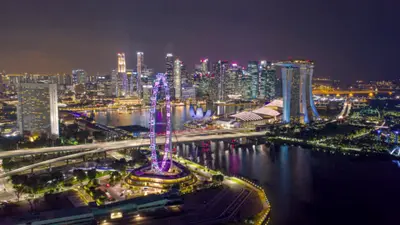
x=252, y=69
x=205, y=66
x=223, y=67
x=178, y=79
x=232, y=80
x=79, y=76
x=244, y=84
x=267, y=81
x=2, y=87
x=139, y=69
x=169, y=72
x=122, y=76
x=37, y=109
x=298, y=102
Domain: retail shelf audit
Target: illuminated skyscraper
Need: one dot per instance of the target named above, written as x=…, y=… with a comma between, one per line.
x=2, y=87
x=205, y=66
x=140, y=61
x=267, y=81
x=187, y=78
x=252, y=69
x=178, y=79
x=37, y=109
x=232, y=80
x=223, y=67
x=121, y=63
x=217, y=81
x=298, y=103
x=122, y=82
x=131, y=75
x=114, y=83
x=244, y=84
x=169, y=72
x=79, y=76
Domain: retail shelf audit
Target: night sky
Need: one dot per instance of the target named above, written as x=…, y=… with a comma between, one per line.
x=348, y=39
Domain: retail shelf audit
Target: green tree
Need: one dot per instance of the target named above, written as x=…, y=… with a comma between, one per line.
x=120, y=165
x=18, y=191
x=115, y=177
x=80, y=175
x=19, y=179
x=9, y=164
x=57, y=176
x=33, y=185
x=92, y=174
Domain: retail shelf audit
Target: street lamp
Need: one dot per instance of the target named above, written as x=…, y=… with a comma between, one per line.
x=396, y=140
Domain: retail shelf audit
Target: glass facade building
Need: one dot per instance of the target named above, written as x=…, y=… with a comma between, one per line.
x=169, y=72
x=252, y=69
x=267, y=81
x=139, y=70
x=178, y=79
x=37, y=109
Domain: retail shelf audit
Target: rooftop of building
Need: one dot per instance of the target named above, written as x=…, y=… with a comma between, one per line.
x=247, y=116
x=266, y=111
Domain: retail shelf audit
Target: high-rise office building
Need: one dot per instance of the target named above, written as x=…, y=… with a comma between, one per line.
x=37, y=109
x=217, y=80
x=139, y=70
x=122, y=76
x=298, y=102
x=114, y=83
x=64, y=79
x=121, y=63
x=244, y=84
x=79, y=76
x=221, y=73
x=178, y=79
x=252, y=69
x=169, y=72
x=131, y=76
x=267, y=81
x=187, y=78
x=2, y=85
x=232, y=81
x=205, y=66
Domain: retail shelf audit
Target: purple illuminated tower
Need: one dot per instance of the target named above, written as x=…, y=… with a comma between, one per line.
x=160, y=81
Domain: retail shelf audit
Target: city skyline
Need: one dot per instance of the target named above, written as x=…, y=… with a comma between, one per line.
x=199, y=112
x=66, y=36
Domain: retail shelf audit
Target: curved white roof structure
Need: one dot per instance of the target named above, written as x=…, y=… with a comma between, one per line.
x=199, y=114
x=276, y=103
x=247, y=116
x=266, y=112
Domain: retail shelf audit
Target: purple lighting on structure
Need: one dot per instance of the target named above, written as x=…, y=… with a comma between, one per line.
x=168, y=143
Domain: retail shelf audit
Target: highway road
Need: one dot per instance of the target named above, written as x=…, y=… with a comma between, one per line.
x=114, y=146
x=181, y=138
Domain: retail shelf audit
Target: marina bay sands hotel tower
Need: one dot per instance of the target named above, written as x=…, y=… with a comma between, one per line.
x=298, y=103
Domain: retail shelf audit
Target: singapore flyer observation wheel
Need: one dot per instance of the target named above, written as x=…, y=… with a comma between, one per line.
x=164, y=165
